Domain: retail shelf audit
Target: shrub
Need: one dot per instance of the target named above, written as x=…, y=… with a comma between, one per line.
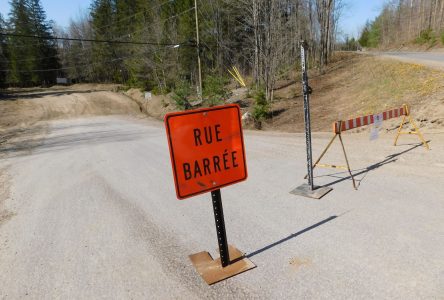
x=157, y=90
x=426, y=36
x=180, y=95
x=260, y=108
x=214, y=90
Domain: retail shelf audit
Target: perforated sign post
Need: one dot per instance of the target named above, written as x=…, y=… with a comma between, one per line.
x=309, y=189
x=207, y=153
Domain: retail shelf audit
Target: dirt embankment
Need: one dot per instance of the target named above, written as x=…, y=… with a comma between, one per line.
x=24, y=111
x=155, y=105
x=358, y=84
x=22, y=107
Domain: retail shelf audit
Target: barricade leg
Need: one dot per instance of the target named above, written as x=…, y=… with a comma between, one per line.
x=415, y=131
x=347, y=168
x=418, y=133
x=399, y=130
x=348, y=165
x=323, y=153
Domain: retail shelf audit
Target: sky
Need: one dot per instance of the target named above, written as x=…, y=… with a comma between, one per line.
x=61, y=11
x=356, y=13
x=354, y=17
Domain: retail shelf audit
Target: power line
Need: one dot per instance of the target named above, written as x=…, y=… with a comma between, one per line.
x=79, y=66
x=113, y=41
x=110, y=41
x=90, y=40
x=88, y=64
x=128, y=34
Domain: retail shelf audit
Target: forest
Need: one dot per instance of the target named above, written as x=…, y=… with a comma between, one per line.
x=152, y=44
x=403, y=22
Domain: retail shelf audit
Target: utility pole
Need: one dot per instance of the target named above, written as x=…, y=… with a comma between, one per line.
x=199, y=87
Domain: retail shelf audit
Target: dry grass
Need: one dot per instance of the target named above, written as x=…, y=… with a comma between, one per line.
x=359, y=84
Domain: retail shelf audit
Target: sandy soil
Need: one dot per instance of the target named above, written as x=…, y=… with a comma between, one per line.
x=25, y=111
x=27, y=106
x=156, y=106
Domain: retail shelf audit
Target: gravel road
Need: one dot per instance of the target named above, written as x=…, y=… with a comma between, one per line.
x=89, y=212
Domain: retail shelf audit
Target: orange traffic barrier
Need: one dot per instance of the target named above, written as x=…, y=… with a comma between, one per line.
x=341, y=126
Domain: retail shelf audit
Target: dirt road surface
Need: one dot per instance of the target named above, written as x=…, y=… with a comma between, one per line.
x=89, y=211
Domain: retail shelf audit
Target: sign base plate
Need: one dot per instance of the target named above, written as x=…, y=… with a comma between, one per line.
x=305, y=191
x=211, y=269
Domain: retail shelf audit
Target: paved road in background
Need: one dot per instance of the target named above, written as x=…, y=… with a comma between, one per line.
x=91, y=213
x=431, y=59
x=430, y=56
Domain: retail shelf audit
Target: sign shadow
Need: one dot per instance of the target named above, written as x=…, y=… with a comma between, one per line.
x=291, y=236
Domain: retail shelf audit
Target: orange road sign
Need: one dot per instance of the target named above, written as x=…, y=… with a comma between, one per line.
x=206, y=148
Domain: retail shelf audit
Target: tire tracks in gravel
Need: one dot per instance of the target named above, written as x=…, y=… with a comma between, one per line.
x=5, y=194
x=160, y=242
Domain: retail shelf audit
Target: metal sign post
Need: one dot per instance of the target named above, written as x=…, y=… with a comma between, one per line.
x=220, y=228
x=307, y=90
x=207, y=153
x=308, y=190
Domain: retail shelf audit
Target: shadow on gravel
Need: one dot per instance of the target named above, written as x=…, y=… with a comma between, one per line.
x=389, y=159
x=291, y=236
x=26, y=142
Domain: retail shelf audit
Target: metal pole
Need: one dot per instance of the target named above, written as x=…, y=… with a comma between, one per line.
x=306, y=91
x=199, y=88
x=220, y=228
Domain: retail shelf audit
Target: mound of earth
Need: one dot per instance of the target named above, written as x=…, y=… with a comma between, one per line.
x=27, y=106
x=155, y=105
x=24, y=111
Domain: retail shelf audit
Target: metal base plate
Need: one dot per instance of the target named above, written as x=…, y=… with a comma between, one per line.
x=211, y=269
x=305, y=191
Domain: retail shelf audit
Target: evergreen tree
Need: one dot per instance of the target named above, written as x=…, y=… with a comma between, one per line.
x=28, y=57
x=20, y=49
x=3, y=54
x=374, y=35
x=186, y=32
x=104, y=54
x=364, y=39
x=139, y=63
x=128, y=26
x=45, y=50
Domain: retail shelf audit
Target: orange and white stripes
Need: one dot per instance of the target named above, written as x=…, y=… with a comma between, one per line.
x=340, y=126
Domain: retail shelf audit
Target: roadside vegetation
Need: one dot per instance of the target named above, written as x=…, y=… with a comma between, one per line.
x=157, y=49
x=353, y=85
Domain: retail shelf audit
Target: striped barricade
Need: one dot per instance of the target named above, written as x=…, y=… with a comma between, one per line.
x=341, y=126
